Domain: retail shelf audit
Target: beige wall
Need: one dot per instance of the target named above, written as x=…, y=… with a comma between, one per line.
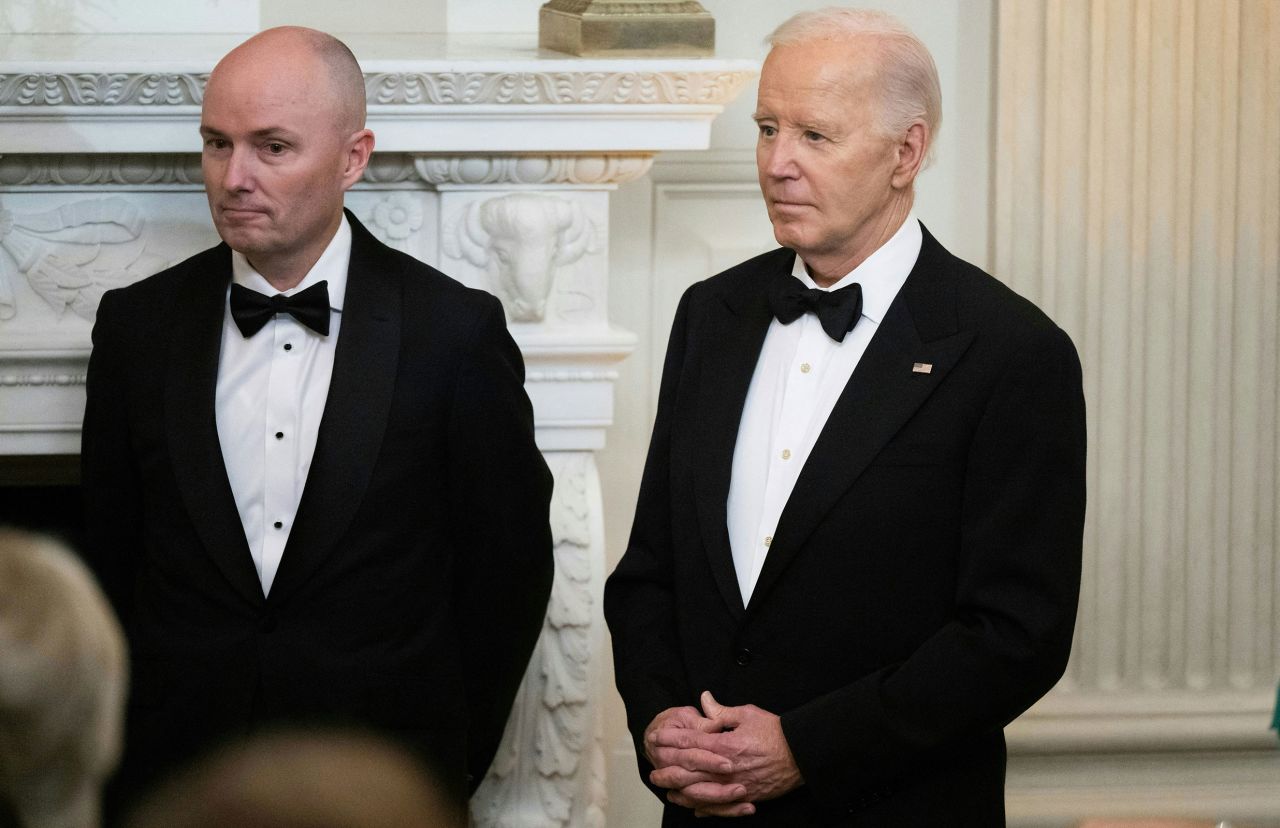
x=186, y=16
x=1137, y=200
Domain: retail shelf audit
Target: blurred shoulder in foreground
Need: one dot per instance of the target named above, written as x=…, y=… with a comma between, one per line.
x=301, y=779
x=63, y=681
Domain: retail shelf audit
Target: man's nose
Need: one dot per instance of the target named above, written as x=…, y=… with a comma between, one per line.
x=778, y=158
x=238, y=175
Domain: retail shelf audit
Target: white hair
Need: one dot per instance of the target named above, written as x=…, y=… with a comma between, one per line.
x=907, y=79
x=62, y=683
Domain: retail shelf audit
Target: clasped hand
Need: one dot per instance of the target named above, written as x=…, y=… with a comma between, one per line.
x=720, y=763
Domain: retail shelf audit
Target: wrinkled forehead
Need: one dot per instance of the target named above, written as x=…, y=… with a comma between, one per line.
x=845, y=65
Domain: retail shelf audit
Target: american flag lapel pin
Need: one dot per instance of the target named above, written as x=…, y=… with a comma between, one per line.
x=922, y=368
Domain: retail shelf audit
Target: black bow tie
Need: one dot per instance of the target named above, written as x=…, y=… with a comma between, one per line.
x=251, y=309
x=837, y=310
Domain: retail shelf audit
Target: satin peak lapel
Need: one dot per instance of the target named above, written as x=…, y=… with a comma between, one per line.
x=355, y=413
x=735, y=327
x=191, y=425
x=920, y=328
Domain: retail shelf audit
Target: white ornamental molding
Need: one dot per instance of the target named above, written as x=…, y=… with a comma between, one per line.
x=102, y=89
x=523, y=239
x=533, y=88
x=41, y=380
x=592, y=170
x=566, y=375
x=526, y=102
x=79, y=170
x=394, y=88
x=390, y=168
x=549, y=769
x=71, y=255
x=145, y=169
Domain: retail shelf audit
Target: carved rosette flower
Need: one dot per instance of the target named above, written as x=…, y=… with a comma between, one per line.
x=397, y=216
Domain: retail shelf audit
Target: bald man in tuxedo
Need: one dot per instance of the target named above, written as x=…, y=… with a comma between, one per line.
x=309, y=459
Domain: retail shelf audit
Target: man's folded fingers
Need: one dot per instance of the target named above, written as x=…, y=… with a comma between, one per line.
x=739, y=809
x=713, y=793
x=704, y=808
x=675, y=777
x=691, y=759
x=683, y=738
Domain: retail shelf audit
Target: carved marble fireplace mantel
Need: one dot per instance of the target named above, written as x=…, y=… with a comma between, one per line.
x=494, y=162
x=477, y=137
x=427, y=93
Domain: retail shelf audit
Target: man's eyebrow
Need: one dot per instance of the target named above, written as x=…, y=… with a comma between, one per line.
x=823, y=127
x=264, y=132
x=272, y=132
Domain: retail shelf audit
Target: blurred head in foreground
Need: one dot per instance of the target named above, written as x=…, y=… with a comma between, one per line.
x=301, y=780
x=63, y=675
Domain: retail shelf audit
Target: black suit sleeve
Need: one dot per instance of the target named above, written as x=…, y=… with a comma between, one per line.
x=1017, y=587
x=110, y=483
x=640, y=600
x=500, y=491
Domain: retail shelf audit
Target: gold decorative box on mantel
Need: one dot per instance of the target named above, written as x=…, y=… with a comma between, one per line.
x=627, y=28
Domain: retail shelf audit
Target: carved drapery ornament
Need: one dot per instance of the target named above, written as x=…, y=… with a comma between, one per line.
x=72, y=255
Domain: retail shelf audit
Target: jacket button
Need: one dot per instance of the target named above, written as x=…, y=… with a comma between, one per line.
x=267, y=623
x=743, y=657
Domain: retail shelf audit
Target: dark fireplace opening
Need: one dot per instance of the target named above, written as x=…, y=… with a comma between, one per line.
x=42, y=493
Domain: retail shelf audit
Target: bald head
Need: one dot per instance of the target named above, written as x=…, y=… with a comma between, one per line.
x=309, y=55
x=284, y=139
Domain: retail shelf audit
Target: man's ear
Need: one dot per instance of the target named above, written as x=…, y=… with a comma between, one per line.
x=911, y=153
x=359, y=148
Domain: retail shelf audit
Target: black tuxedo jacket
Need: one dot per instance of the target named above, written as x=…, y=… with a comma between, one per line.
x=416, y=576
x=920, y=589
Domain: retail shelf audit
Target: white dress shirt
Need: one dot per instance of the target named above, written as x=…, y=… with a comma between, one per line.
x=271, y=393
x=799, y=376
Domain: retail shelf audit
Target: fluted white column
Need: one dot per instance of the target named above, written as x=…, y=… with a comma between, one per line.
x=1137, y=200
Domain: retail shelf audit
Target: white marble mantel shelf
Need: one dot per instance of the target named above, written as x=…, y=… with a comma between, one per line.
x=427, y=93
